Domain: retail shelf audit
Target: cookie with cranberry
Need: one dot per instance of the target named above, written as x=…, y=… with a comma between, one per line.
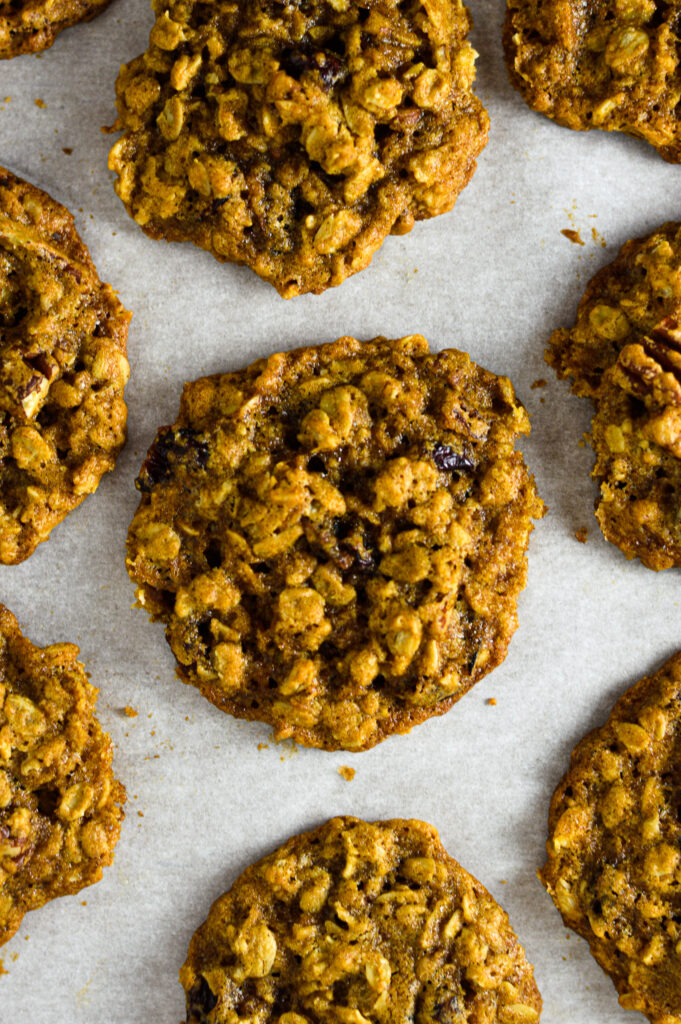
x=613, y=867
x=624, y=352
x=358, y=922
x=63, y=369
x=28, y=26
x=609, y=64
x=335, y=537
x=295, y=138
x=60, y=805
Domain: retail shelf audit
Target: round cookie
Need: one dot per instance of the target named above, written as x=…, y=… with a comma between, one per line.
x=363, y=924
x=60, y=806
x=295, y=138
x=600, y=64
x=63, y=369
x=27, y=26
x=613, y=867
x=624, y=353
x=335, y=537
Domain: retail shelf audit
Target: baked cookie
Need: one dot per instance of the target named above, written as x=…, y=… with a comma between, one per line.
x=624, y=353
x=27, y=26
x=356, y=923
x=295, y=138
x=60, y=806
x=610, y=64
x=613, y=867
x=63, y=369
x=335, y=537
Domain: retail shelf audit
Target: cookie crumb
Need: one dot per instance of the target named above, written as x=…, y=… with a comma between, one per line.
x=347, y=772
x=263, y=746
x=40, y=103
x=581, y=534
x=492, y=701
x=67, y=149
x=130, y=712
x=598, y=238
x=2, y=968
x=540, y=382
x=572, y=235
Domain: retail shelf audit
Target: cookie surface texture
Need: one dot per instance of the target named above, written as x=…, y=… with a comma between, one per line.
x=335, y=538
x=601, y=64
x=295, y=138
x=63, y=369
x=28, y=26
x=624, y=353
x=60, y=806
x=613, y=867
x=363, y=923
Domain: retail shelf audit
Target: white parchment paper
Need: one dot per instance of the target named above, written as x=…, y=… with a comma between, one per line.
x=207, y=794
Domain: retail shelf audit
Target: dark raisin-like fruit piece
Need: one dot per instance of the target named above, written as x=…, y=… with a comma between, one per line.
x=200, y=1000
x=329, y=66
x=446, y=459
x=169, y=448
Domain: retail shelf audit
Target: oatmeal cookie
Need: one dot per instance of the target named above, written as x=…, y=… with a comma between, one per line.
x=358, y=923
x=294, y=138
x=60, y=806
x=609, y=64
x=27, y=26
x=63, y=369
x=613, y=867
x=335, y=537
x=624, y=353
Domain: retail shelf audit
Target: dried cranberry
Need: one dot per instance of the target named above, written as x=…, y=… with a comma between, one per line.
x=330, y=67
x=446, y=459
x=169, y=448
x=200, y=999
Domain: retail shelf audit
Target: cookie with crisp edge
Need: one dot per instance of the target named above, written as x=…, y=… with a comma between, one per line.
x=624, y=352
x=60, y=806
x=63, y=369
x=28, y=26
x=599, y=65
x=335, y=537
x=358, y=922
x=613, y=867
x=294, y=141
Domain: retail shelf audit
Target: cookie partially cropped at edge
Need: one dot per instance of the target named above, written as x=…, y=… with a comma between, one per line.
x=60, y=805
x=613, y=867
x=624, y=353
x=295, y=138
x=335, y=537
x=28, y=26
x=602, y=64
x=358, y=923
x=63, y=369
